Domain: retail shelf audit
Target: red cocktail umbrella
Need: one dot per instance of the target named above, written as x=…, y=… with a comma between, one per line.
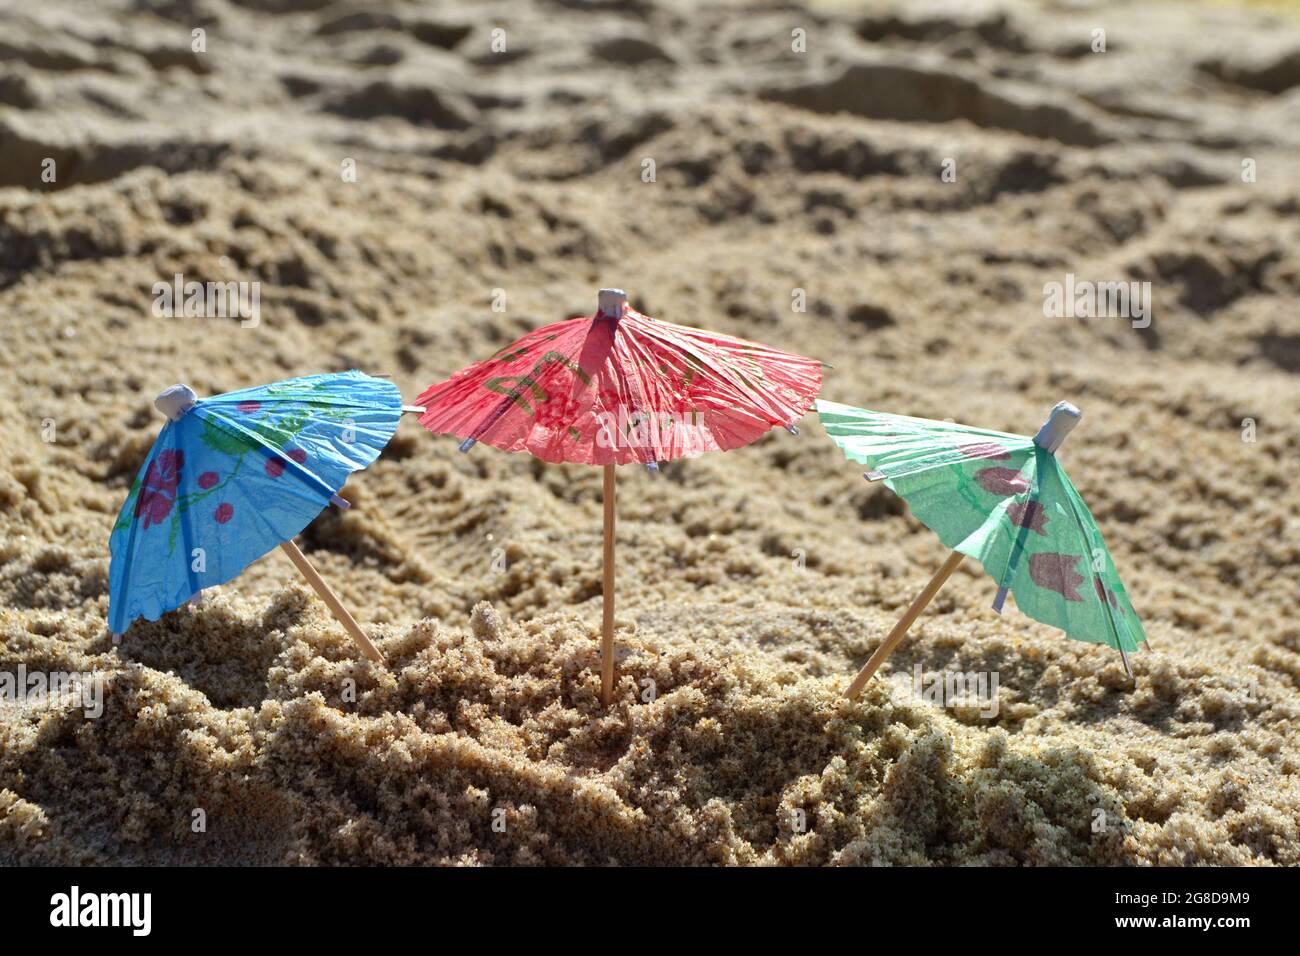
x=616, y=388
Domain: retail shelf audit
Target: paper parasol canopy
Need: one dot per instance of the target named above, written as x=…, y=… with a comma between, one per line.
x=1006, y=501
x=232, y=476
x=619, y=387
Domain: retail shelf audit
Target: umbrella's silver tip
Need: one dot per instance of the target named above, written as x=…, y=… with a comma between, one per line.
x=793, y=430
x=874, y=475
x=652, y=467
x=175, y=401
x=468, y=443
x=1059, y=424
x=611, y=302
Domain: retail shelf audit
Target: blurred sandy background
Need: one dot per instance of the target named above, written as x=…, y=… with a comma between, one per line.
x=751, y=584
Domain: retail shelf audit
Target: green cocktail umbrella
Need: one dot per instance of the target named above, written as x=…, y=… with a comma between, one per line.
x=1004, y=500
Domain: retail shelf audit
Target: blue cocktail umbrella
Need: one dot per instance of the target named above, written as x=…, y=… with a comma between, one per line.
x=232, y=476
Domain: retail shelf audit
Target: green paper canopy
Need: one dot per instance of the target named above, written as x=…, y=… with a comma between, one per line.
x=1006, y=501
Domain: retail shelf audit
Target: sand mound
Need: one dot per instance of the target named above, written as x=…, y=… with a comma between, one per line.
x=488, y=745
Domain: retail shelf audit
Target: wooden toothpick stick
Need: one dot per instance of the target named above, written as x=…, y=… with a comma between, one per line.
x=335, y=605
x=607, y=626
x=896, y=635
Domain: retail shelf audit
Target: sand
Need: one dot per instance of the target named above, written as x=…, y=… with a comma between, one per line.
x=751, y=584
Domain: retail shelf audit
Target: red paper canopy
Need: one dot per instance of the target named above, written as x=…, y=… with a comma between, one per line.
x=617, y=390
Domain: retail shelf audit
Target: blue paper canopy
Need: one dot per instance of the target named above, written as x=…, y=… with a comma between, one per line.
x=232, y=476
